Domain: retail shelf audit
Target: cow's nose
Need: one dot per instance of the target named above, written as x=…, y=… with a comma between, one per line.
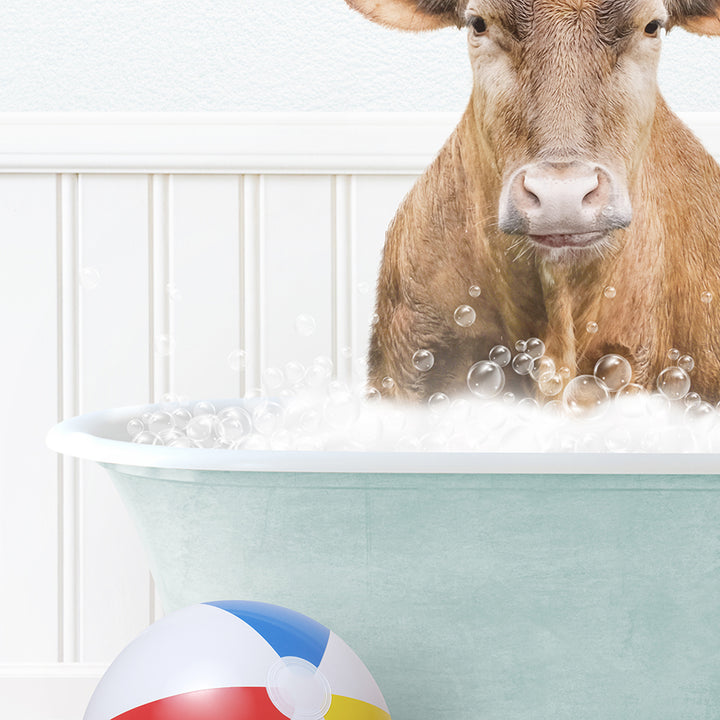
x=563, y=198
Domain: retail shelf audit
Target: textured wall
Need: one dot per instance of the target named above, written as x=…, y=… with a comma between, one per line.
x=249, y=55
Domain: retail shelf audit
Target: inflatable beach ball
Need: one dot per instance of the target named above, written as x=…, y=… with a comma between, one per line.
x=237, y=661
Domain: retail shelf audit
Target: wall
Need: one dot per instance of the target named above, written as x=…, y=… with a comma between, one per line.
x=246, y=55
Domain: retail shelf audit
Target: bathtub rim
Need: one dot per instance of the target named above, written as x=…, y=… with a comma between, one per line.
x=82, y=437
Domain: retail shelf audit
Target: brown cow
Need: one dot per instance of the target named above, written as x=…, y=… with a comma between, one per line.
x=567, y=173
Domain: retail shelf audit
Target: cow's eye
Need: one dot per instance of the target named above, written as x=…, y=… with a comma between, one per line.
x=478, y=25
x=652, y=28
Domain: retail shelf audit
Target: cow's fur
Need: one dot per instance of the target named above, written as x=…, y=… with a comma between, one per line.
x=444, y=239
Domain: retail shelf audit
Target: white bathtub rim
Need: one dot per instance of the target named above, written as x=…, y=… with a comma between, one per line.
x=84, y=437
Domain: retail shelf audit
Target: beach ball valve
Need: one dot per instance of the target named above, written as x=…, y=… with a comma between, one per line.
x=237, y=660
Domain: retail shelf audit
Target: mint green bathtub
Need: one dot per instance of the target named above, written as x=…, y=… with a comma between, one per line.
x=474, y=586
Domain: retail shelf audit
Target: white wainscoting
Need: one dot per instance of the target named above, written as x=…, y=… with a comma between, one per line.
x=125, y=235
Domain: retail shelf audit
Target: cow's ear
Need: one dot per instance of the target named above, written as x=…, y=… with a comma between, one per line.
x=696, y=16
x=414, y=15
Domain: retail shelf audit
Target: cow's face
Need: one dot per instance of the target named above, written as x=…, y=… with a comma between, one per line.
x=564, y=93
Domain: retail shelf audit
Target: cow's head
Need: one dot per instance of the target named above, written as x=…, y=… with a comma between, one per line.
x=564, y=93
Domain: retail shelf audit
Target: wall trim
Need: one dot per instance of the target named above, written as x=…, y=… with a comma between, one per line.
x=326, y=143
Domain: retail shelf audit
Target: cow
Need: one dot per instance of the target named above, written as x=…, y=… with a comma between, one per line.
x=584, y=210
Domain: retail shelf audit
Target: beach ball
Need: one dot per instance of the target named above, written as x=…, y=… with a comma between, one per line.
x=237, y=660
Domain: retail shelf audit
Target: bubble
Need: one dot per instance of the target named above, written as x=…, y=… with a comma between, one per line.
x=592, y=327
x=294, y=372
x=550, y=385
x=388, y=383
x=508, y=398
x=236, y=360
x=584, y=397
x=609, y=292
x=692, y=399
x=164, y=345
x=439, y=402
x=423, y=360
x=541, y=367
x=372, y=395
x=474, y=291
x=686, y=363
x=363, y=288
x=135, y=426
x=268, y=417
x=346, y=352
x=183, y=442
x=702, y=412
x=317, y=376
x=618, y=439
x=200, y=428
x=522, y=364
x=204, y=407
x=520, y=346
x=535, y=347
x=706, y=297
x=613, y=371
x=159, y=422
x=147, y=438
x=310, y=420
x=305, y=325
x=374, y=319
x=233, y=425
x=181, y=417
x=170, y=436
x=673, y=383
x=673, y=354
x=564, y=372
x=273, y=378
x=464, y=316
x=89, y=278
x=500, y=355
x=485, y=379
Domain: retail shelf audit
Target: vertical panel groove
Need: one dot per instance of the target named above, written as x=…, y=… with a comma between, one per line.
x=68, y=248
x=342, y=240
x=253, y=210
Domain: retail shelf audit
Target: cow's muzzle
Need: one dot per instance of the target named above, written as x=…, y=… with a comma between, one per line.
x=564, y=203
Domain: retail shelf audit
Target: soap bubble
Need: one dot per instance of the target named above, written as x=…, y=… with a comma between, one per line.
x=673, y=383
x=233, y=424
x=200, y=428
x=372, y=395
x=702, y=412
x=474, y=291
x=585, y=397
x=170, y=435
x=423, y=360
x=541, y=367
x=340, y=409
x=181, y=417
x=485, y=379
x=159, y=422
x=268, y=417
x=522, y=364
x=706, y=297
x=273, y=378
x=691, y=399
x=374, y=319
x=673, y=354
x=439, y=402
x=346, y=352
x=305, y=325
x=609, y=292
x=686, y=363
x=317, y=376
x=535, y=347
x=550, y=385
x=147, y=438
x=164, y=345
x=388, y=383
x=173, y=293
x=520, y=346
x=613, y=371
x=236, y=360
x=464, y=316
x=134, y=427
x=564, y=372
x=183, y=442
x=204, y=407
x=363, y=287
x=89, y=278
x=592, y=327
x=500, y=355
x=294, y=372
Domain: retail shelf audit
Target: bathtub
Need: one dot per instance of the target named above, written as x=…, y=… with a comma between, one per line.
x=494, y=586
